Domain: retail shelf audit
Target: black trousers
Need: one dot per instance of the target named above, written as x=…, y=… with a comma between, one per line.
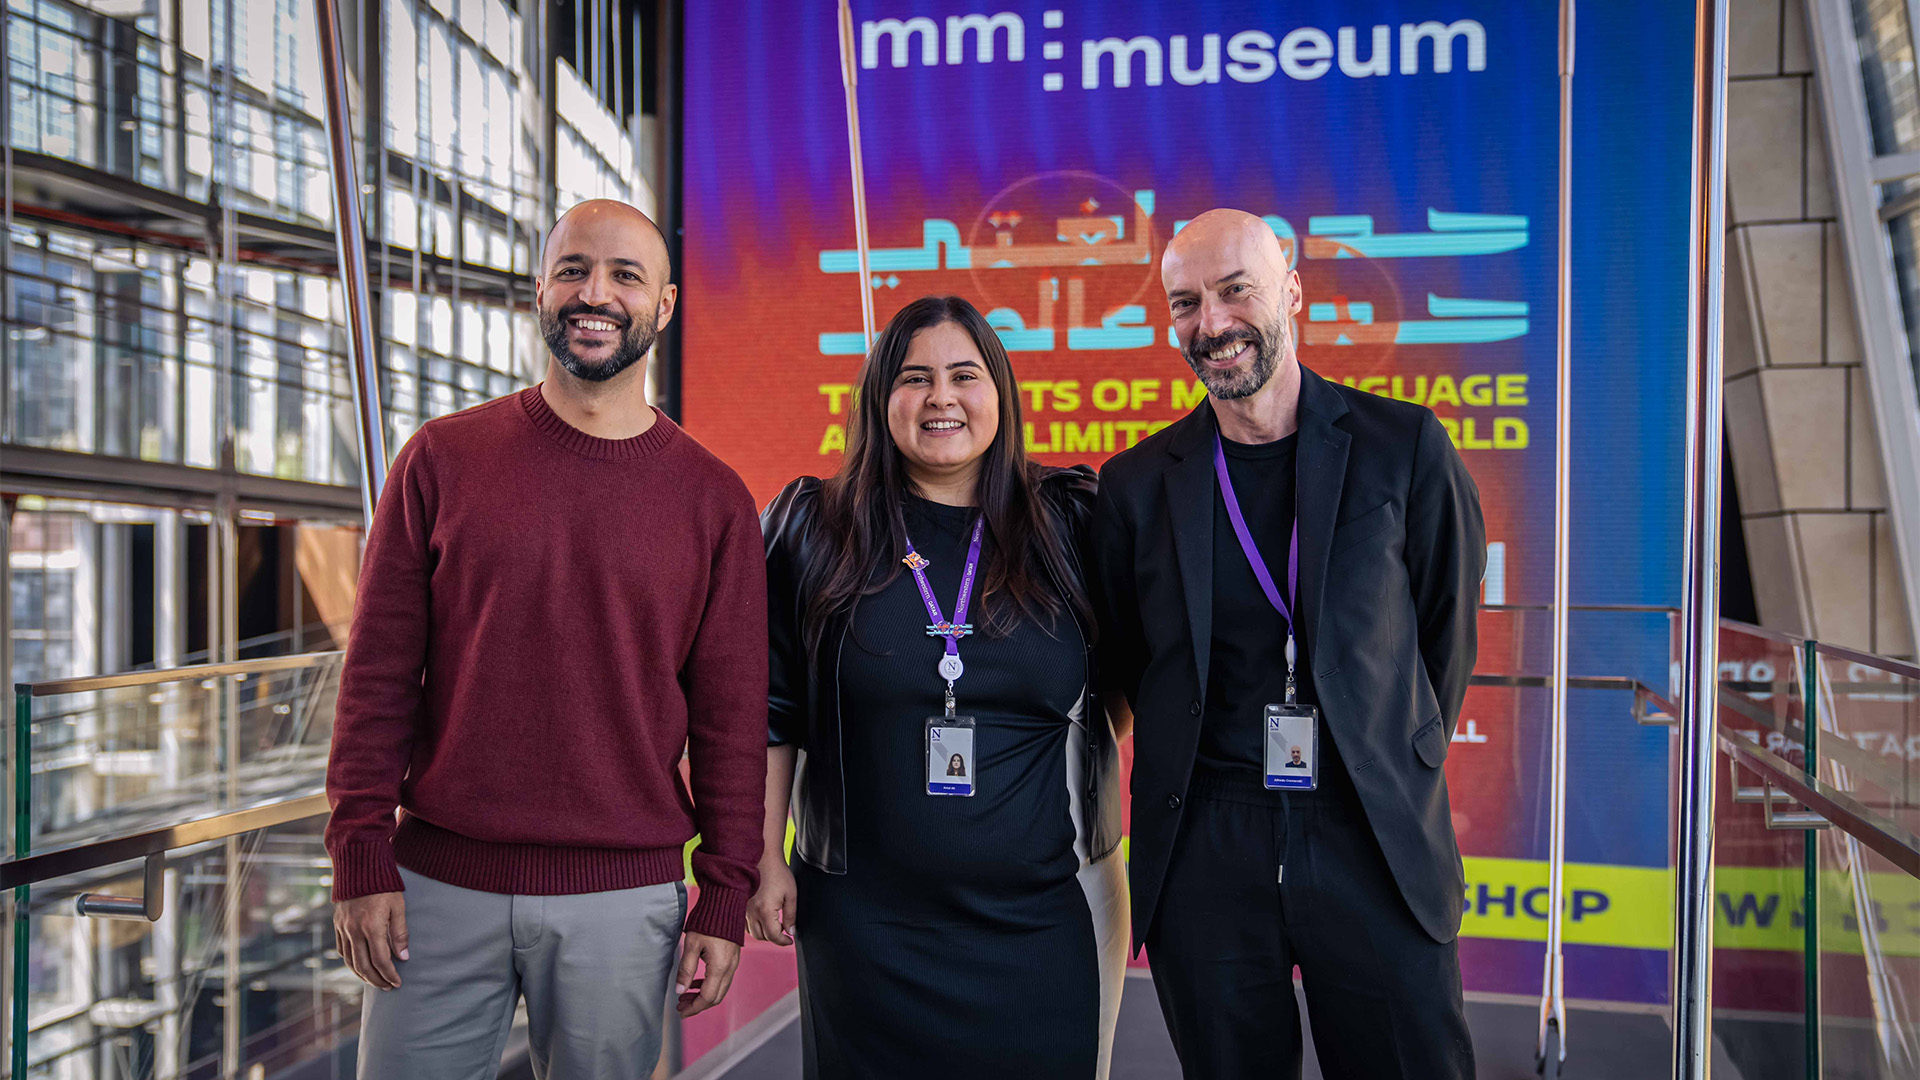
x=1383, y=997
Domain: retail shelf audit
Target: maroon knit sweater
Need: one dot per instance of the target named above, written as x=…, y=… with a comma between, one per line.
x=545, y=619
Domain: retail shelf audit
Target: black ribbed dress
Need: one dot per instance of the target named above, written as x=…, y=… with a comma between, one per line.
x=959, y=942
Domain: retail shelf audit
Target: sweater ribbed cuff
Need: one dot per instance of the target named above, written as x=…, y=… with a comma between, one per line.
x=363, y=869
x=720, y=912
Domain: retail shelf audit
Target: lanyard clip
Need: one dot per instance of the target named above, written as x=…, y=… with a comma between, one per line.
x=1290, y=658
x=950, y=712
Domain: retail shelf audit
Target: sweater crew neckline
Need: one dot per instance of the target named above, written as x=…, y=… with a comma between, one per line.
x=575, y=441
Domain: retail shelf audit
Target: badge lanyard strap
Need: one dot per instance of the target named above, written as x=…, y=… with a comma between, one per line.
x=1253, y=554
x=950, y=667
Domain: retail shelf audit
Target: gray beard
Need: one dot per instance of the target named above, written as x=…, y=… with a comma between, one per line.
x=1243, y=382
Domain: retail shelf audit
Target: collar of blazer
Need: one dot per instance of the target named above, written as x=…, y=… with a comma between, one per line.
x=1320, y=471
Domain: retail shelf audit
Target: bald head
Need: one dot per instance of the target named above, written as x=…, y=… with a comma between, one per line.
x=1233, y=235
x=1232, y=298
x=604, y=289
x=615, y=220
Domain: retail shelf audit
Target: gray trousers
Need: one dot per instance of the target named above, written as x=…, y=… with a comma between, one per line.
x=594, y=967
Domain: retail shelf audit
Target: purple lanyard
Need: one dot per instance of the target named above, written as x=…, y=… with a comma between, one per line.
x=950, y=667
x=1252, y=553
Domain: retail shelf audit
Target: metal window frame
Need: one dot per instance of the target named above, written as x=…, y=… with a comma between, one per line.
x=1857, y=173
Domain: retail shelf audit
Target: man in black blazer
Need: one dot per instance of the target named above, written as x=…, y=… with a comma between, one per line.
x=1357, y=881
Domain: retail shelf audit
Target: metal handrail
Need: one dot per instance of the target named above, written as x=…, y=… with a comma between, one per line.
x=1643, y=609
x=1577, y=682
x=1751, y=630
x=54, y=687
x=1887, y=837
x=1854, y=656
x=80, y=858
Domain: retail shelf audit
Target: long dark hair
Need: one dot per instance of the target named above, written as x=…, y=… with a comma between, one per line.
x=860, y=506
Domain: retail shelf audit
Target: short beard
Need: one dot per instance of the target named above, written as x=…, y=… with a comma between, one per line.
x=1240, y=382
x=633, y=346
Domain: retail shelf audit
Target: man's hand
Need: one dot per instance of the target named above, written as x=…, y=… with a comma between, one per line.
x=699, y=995
x=370, y=931
x=772, y=911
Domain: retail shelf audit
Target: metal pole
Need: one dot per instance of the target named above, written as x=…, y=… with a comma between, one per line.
x=1810, y=862
x=14, y=960
x=22, y=843
x=6, y=255
x=616, y=99
x=849, y=65
x=1700, y=603
x=350, y=240
x=600, y=52
x=225, y=641
x=1551, y=1050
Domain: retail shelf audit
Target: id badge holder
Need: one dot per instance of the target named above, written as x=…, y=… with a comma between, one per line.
x=1292, y=748
x=950, y=757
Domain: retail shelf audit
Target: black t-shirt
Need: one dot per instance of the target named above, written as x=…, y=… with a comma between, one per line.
x=1248, y=669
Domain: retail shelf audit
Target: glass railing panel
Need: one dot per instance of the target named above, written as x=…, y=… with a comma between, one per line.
x=1760, y=687
x=168, y=746
x=1869, y=748
x=1760, y=940
x=1871, y=708
x=1869, y=1000
x=246, y=926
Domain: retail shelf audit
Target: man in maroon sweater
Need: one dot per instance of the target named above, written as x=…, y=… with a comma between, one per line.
x=561, y=591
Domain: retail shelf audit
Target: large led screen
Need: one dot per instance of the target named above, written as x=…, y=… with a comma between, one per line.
x=1035, y=158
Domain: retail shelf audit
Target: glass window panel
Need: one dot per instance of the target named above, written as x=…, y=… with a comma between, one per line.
x=403, y=316
x=440, y=325
x=499, y=42
x=441, y=95
x=473, y=241
x=500, y=124
x=403, y=78
x=196, y=29
x=403, y=218
x=473, y=106
x=318, y=196
x=1887, y=70
x=498, y=252
x=530, y=352
x=307, y=79
x=473, y=331
x=1903, y=235
x=499, y=340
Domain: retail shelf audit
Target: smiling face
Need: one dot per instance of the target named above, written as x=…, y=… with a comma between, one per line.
x=943, y=411
x=603, y=293
x=1232, y=299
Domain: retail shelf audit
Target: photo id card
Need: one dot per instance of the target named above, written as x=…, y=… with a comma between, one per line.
x=950, y=758
x=1293, y=748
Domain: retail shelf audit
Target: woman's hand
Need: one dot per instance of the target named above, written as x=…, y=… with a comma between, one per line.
x=771, y=912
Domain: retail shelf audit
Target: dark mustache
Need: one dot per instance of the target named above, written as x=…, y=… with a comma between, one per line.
x=1201, y=347
x=608, y=314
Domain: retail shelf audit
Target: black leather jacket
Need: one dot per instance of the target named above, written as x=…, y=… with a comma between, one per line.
x=803, y=700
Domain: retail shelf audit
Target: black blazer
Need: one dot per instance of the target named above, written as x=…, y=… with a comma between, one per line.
x=1392, y=547
x=803, y=700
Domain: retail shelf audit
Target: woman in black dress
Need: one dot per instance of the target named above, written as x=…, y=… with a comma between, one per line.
x=956, y=891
